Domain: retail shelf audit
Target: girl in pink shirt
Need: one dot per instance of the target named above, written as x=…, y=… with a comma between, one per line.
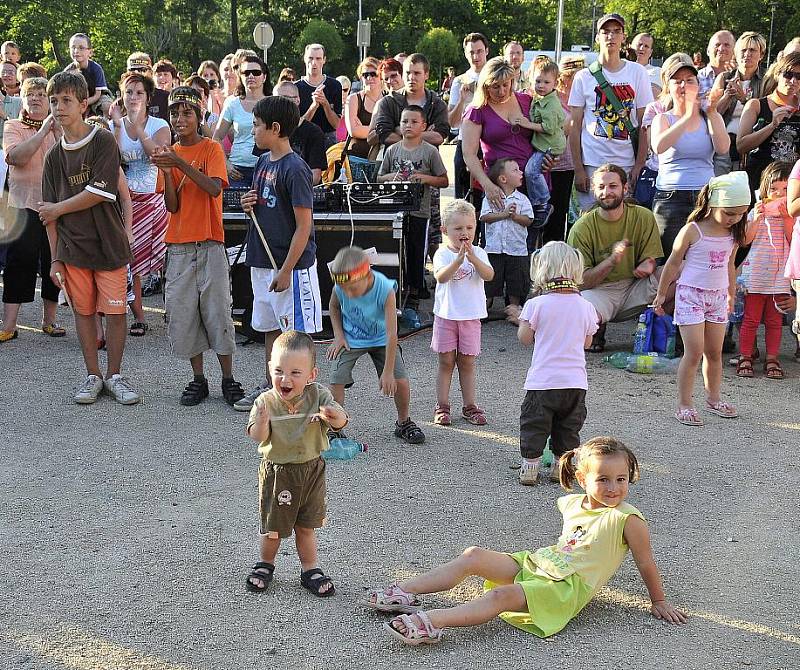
x=792, y=271
x=562, y=322
x=702, y=260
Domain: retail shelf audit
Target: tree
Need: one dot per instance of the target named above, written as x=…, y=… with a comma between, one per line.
x=442, y=48
x=321, y=32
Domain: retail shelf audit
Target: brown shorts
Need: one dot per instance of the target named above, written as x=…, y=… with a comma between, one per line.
x=291, y=494
x=93, y=291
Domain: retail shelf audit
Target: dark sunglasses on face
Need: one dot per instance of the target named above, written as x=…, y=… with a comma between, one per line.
x=138, y=69
x=369, y=75
x=788, y=76
x=255, y=73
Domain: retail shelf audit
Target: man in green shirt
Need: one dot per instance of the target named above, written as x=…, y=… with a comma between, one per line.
x=620, y=244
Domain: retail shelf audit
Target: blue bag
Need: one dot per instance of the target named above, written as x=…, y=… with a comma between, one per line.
x=659, y=333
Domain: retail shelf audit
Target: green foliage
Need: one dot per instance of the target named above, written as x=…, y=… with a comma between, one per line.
x=442, y=48
x=324, y=33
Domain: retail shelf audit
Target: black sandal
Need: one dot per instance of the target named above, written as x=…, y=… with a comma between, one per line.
x=232, y=391
x=409, y=431
x=314, y=579
x=138, y=329
x=194, y=393
x=264, y=577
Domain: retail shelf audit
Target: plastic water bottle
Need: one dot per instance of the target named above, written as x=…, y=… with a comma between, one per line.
x=343, y=449
x=410, y=318
x=618, y=359
x=738, y=302
x=670, y=352
x=640, y=336
x=652, y=363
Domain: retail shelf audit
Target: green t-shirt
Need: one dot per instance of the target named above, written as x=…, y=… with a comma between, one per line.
x=293, y=437
x=593, y=236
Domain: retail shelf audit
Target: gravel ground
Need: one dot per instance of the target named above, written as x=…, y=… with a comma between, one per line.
x=128, y=531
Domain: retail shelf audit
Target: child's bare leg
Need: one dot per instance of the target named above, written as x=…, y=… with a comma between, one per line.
x=508, y=598
x=447, y=363
x=136, y=305
x=693, y=345
x=225, y=365
x=402, y=399
x=337, y=391
x=305, y=539
x=86, y=329
x=197, y=365
x=492, y=565
x=466, y=376
x=712, y=359
x=268, y=546
x=116, y=329
x=269, y=340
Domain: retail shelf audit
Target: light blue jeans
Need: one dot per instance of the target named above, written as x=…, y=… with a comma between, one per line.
x=538, y=192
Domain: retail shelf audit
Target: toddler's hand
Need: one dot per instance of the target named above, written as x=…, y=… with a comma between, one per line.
x=327, y=414
x=512, y=314
x=666, y=612
x=262, y=412
x=336, y=347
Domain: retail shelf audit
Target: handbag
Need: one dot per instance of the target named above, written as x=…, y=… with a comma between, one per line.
x=633, y=132
x=655, y=333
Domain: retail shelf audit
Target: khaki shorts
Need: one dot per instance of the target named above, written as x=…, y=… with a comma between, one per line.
x=198, y=299
x=623, y=300
x=342, y=372
x=291, y=494
x=93, y=291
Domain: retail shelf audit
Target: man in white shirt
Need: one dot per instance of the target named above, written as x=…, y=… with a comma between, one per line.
x=643, y=46
x=720, y=53
x=604, y=137
x=476, y=51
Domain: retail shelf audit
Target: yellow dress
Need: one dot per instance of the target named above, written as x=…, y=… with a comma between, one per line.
x=561, y=579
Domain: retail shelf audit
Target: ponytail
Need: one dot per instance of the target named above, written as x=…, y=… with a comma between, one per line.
x=567, y=469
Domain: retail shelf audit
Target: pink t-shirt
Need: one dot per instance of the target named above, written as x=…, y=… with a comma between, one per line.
x=793, y=263
x=561, y=322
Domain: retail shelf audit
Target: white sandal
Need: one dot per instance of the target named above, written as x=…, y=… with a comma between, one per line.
x=392, y=599
x=415, y=634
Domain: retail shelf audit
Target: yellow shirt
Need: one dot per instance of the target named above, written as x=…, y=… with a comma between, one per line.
x=294, y=438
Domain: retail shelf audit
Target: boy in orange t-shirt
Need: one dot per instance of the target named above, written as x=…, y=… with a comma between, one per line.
x=198, y=298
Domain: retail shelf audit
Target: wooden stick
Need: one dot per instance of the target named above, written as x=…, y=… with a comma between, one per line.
x=263, y=240
x=60, y=278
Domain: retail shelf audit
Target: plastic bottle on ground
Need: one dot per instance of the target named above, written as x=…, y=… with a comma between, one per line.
x=619, y=359
x=652, y=363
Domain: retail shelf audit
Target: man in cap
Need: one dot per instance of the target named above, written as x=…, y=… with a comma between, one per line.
x=158, y=106
x=604, y=134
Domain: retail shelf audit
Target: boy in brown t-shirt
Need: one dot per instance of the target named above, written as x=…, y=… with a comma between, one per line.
x=88, y=244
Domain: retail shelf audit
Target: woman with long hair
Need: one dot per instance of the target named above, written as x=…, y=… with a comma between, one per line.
x=359, y=106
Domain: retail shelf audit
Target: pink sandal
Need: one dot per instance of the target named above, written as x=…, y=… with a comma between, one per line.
x=441, y=415
x=474, y=415
x=722, y=408
x=688, y=416
x=414, y=634
x=392, y=599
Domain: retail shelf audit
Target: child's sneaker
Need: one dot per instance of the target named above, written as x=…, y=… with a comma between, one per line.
x=245, y=404
x=409, y=432
x=529, y=473
x=195, y=392
x=118, y=388
x=88, y=392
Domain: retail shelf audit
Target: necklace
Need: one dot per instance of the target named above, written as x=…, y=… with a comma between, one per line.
x=560, y=284
x=28, y=121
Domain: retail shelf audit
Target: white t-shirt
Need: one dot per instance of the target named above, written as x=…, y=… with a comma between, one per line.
x=561, y=322
x=654, y=72
x=604, y=138
x=461, y=298
x=139, y=170
x=469, y=77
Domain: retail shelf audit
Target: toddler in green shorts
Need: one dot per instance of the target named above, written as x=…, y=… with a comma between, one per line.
x=363, y=311
x=290, y=422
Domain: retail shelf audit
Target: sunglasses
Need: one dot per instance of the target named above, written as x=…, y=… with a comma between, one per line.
x=369, y=75
x=788, y=76
x=254, y=73
x=138, y=69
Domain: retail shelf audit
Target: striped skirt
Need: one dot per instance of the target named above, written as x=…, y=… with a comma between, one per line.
x=150, y=219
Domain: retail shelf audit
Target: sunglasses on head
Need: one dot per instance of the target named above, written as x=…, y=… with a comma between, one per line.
x=138, y=69
x=255, y=73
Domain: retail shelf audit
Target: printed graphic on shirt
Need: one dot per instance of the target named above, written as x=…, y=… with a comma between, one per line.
x=609, y=124
x=784, y=142
x=572, y=541
x=464, y=272
x=404, y=167
x=361, y=327
x=82, y=177
x=716, y=260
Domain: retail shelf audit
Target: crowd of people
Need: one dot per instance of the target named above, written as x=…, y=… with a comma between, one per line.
x=584, y=193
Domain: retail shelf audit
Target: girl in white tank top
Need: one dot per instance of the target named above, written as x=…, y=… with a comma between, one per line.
x=702, y=262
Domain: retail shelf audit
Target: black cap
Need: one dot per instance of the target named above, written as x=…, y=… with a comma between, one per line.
x=610, y=17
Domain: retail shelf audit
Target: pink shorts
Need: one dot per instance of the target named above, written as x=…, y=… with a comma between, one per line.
x=461, y=336
x=697, y=305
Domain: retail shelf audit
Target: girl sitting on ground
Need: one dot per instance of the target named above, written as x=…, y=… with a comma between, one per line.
x=702, y=260
x=542, y=591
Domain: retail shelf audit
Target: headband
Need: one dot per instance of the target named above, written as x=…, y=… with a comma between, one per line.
x=358, y=272
x=189, y=97
x=139, y=62
x=729, y=190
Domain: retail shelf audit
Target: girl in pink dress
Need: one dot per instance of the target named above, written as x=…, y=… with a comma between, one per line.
x=702, y=260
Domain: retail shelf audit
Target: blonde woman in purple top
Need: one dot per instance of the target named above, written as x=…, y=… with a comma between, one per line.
x=491, y=123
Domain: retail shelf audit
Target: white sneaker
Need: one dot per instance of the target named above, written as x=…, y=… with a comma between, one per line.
x=529, y=473
x=246, y=403
x=88, y=392
x=117, y=387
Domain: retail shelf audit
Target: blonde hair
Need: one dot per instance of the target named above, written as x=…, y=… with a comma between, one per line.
x=748, y=38
x=369, y=61
x=348, y=258
x=39, y=83
x=456, y=208
x=496, y=70
x=295, y=341
x=577, y=460
x=556, y=260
